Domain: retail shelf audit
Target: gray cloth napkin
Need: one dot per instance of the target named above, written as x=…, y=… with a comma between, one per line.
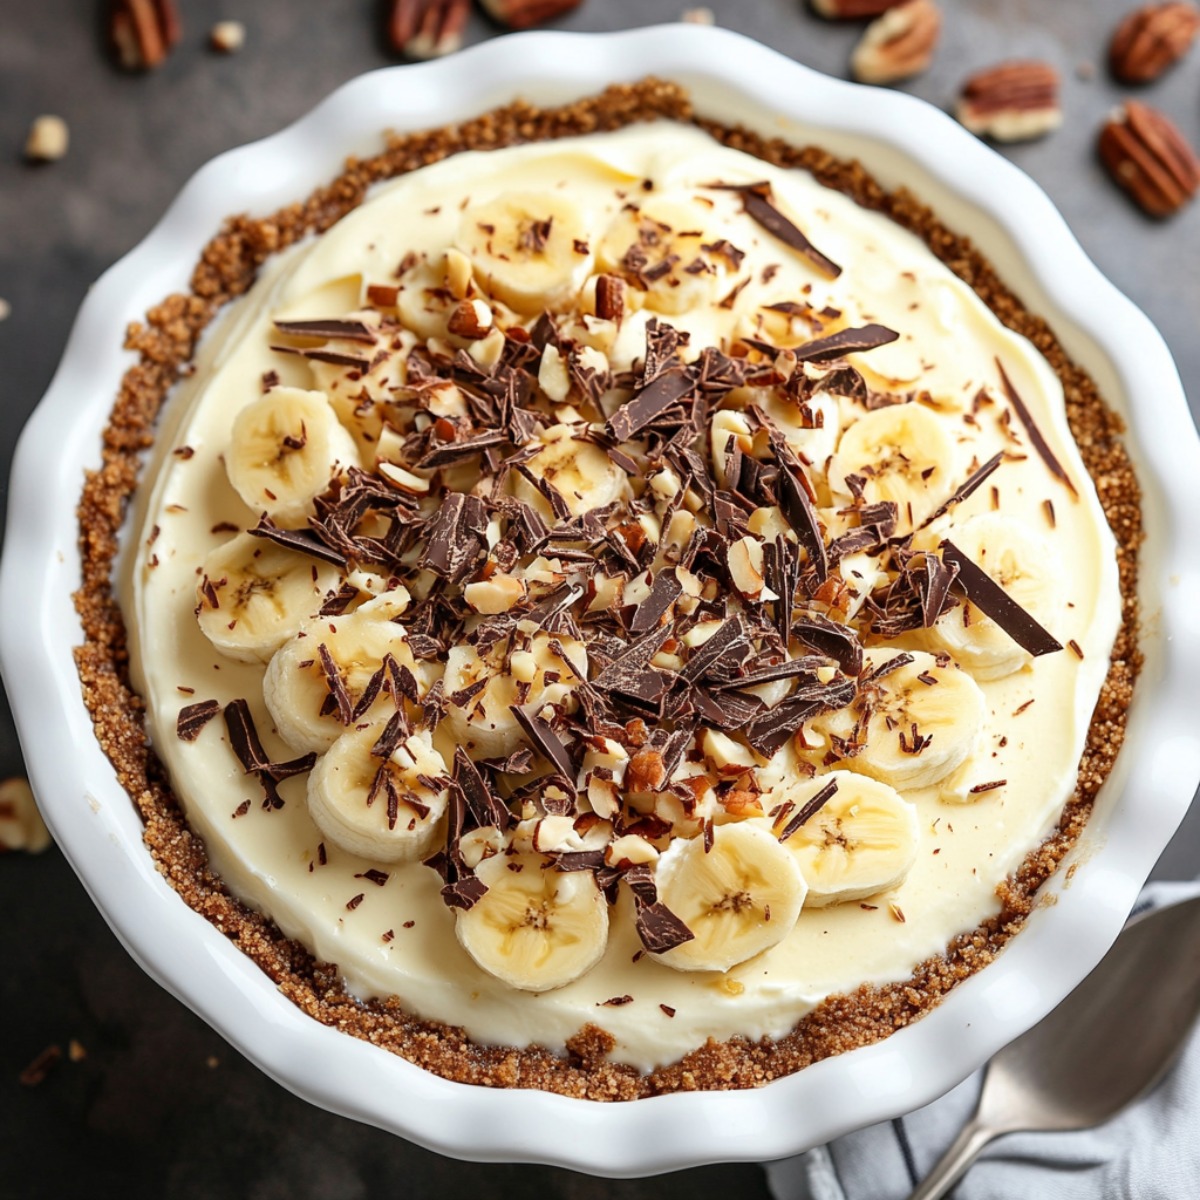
x=1149, y=1152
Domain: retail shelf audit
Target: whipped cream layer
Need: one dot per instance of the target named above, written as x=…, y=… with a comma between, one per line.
x=398, y=938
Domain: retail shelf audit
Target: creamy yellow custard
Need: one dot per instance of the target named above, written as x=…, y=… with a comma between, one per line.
x=400, y=938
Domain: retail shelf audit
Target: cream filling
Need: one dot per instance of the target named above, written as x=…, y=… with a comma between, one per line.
x=948, y=347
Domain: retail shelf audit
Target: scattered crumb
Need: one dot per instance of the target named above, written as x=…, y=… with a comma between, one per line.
x=48, y=139
x=227, y=37
x=212, y=1062
x=75, y=1051
x=698, y=16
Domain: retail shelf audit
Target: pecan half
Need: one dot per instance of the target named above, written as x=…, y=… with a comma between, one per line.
x=852, y=10
x=1148, y=156
x=143, y=32
x=522, y=14
x=1151, y=39
x=1012, y=101
x=898, y=44
x=427, y=28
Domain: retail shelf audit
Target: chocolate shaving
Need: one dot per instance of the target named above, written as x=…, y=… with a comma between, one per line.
x=799, y=513
x=933, y=586
x=349, y=331
x=248, y=748
x=486, y=807
x=303, y=541
x=335, y=359
x=193, y=718
x=455, y=536
x=770, y=732
x=653, y=400
x=757, y=200
x=464, y=893
x=336, y=685
x=835, y=641
x=663, y=593
x=990, y=598
x=546, y=742
x=610, y=297
x=579, y=860
x=972, y=482
x=845, y=341
x=659, y=928
x=810, y=809
x=1035, y=434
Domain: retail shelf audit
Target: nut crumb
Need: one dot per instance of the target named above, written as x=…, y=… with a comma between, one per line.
x=227, y=37
x=48, y=139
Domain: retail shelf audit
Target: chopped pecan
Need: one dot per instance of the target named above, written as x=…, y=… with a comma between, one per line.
x=522, y=14
x=1011, y=102
x=898, y=44
x=427, y=28
x=1148, y=156
x=852, y=10
x=1152, y=38
x=143, y=32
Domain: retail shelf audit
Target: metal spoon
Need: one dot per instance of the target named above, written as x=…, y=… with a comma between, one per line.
x=1106, y=1044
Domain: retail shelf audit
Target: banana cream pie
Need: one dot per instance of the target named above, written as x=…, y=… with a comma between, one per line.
x=626, y=604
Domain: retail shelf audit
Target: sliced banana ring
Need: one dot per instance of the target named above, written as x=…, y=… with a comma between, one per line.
x=904, y=454
x=661, y=244
x=856, y=841
x=740, y=898
x=379, y=808
x=580, y=472
x=535, y=928
x=482, y=720
x=253, y=596
x=926, y=720
x=297, y=685
x=284, y=449
x=1021, y=563
x=529, y=249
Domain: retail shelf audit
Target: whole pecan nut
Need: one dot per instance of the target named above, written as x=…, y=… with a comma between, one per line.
x=1148, y=156
x=427, y=28
x=898, y=44
x=522, y=14
x=1012, y=101
x=143, y=32
x=852, y=10
x=1150, y=39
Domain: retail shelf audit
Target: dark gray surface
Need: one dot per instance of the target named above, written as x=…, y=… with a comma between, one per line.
x=161, y=1107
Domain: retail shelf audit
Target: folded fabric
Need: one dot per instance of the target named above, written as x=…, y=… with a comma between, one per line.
x=1148, y=1152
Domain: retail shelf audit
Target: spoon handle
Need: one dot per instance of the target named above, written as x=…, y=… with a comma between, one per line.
x=950, y=1167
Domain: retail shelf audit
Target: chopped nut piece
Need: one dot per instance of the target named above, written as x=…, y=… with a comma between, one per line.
x=495, y=595
x=645, y=772
x=1012, y=102
x=1148, y=156
x=470, y=319
x=746, y=566
x=143, y=32
x=899, y=44
x=521, y=14
x=427, y=28
x=48, y=139
x=227, y=37
x=1151, y=39
x=21, y=825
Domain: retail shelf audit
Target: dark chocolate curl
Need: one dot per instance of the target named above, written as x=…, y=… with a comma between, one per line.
x=991, y=599
x=845, y=341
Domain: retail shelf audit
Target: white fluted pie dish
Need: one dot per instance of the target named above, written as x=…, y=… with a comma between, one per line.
x=901, y=141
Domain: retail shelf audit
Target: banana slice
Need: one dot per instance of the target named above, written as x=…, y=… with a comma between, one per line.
x=661, y=245
x=529, y=249
x=284, y=448
x=740, y=898
x=1021, y=563
x=535, y=928
x=925, y=722
x=904, y=454
x=482, y=721
x=296, y=686
x=379, y=808
x=254, y=595
x=862, y=839
x=580, y=472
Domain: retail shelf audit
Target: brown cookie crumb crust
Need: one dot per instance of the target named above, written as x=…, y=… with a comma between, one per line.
x=165, y=344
